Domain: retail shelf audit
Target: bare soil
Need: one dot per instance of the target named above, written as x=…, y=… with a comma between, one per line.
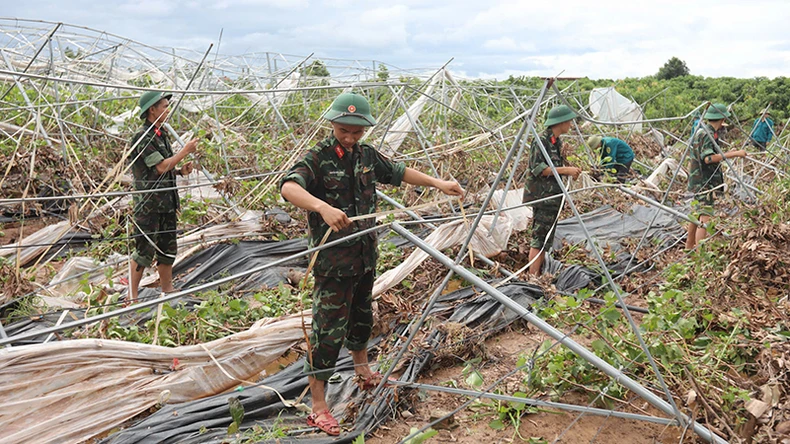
x=471, y=424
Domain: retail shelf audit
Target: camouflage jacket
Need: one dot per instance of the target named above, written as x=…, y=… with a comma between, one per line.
x=538, y=186
x=704, y=176
x=347, y=183
x=153, y=147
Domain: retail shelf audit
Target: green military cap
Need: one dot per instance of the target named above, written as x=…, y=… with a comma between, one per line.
x=717, y=111
x=559, y=114
x=594, y=141
x=350, y=109
x=149, y=99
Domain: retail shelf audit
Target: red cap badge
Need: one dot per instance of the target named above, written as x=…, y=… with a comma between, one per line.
x=352, y=108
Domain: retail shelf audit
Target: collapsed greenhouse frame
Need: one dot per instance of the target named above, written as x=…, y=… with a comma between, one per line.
x=352, y=74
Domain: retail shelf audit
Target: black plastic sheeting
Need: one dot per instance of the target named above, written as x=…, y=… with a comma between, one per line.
x=232, y=258
x=205, y=266
x=608, y=226
x=206, y=420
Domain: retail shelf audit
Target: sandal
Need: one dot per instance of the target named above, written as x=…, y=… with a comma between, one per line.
x=370, y=382
x=325, y=422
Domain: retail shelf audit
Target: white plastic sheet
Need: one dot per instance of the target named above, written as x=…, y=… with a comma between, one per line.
x=72, y=391
x=608, y=105
x=446, y=236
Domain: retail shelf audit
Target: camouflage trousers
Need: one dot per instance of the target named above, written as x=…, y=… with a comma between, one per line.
x=702, y=204
x=155, y=237
x=543, y=227
x=342, y=315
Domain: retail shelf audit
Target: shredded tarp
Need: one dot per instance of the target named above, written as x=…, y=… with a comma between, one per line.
x=665, y=170
x=449, y=234
x=207, y=420
x=608, y=227
x=209, y=264
x=609, y=105
x=75, y=390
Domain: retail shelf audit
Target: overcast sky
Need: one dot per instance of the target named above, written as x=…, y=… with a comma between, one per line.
x=598, y=39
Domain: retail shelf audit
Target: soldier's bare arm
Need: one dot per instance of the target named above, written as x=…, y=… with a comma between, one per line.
x=563, y=171
x=294, y=193
x=449, y=187
x=171, y=162
x=716, y=158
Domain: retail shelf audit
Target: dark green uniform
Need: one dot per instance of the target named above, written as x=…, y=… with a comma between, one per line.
x=544, y=214
x=705, y=179
x=154, y=213
x=343, y=274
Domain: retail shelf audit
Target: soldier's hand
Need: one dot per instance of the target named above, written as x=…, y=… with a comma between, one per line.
x=191, y=146
x=451, y=188
x=186, y=169
x=740, y=153
x=573, y=171
x=335, y=218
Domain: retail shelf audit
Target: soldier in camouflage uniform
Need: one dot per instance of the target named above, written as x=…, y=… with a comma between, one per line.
x=154, y=167
x=705, y=176
x=541, y=183
x=334, y=181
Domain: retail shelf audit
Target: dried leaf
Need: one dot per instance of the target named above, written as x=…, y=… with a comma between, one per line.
x=757, y=408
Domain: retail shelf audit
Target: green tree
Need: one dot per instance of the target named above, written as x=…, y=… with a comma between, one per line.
x=673, y=68
x=316, y=69
x=384, y=74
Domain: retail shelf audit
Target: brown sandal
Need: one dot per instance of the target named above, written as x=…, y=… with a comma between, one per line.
x=324, y=421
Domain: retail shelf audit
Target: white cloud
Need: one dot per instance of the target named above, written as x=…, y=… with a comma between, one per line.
x=607, y=38
x=279, y=4
x=508, y=44
x=147, y=8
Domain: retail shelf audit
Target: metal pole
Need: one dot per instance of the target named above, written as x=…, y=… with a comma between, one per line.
x=416, y=217
x=537, y=403
x=532, y=115
x=605, y=270
x=30, y=63
x=416, y=131
x=202, y=168
x=28, y=101
x=658, y=205
x=559, y=336
x=461, y=252
x=178, y=294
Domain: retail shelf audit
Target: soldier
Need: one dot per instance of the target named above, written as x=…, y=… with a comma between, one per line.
x=615, y=155
x=705, y=176
x=762, y=131
x=541, y=183
x=153, y=167
x=334, y=181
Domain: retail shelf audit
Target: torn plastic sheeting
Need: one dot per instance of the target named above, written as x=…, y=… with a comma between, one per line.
x=448, y=235
x=207, y=420
x=75, y=390
x=210, y=264
x=86, y=267
x=520, y=216
x=232, y=258
x=666, y=169
x=200, y=239
x=608, y=226
x=50, y=238
x=49, y=319
x=609, y=105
